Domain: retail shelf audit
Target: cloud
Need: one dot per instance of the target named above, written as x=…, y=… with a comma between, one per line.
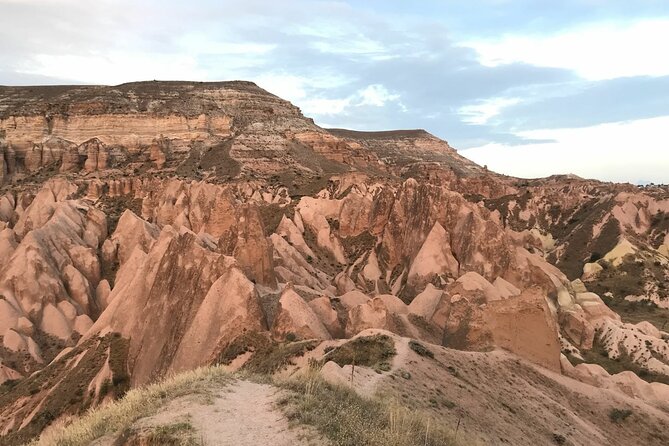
x=494, y=18
x=376, y=95
x=484, y=110
x=623, y=152
x=594, y=52
x=325, y=107
x=111, y=68
x=582, y=104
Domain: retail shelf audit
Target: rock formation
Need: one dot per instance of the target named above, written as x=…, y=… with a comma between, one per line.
x=149, y=228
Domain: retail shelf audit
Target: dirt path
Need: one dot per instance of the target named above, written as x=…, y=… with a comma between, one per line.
x=246, y=415
x=242, y=413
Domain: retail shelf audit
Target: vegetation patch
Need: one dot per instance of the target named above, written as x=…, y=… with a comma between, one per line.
x=429, y=329
x=250, y=341
x=114, y=207
x=190, y=167
x=21, y=361
x=578, y=236
x=271, y=215
x=276, y=357
x=634, y=312
x=347, y=419
x=420, y=349
x=598, y=355
x=619, y=415
x=323, y=260
x=632, y=278
x=356, y=246
x=268, y=356
x=559, y=439
x=61, y=388
x=218, y=159
x=368, y=351
x=176, y=434
x=629, y=278
x=117, y=418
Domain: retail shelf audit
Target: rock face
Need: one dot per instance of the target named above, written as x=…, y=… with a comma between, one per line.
x=524, y=325
x=166, y=301
x=47, y=280
x=298, y=319
x=150, y=228
x=434, y=260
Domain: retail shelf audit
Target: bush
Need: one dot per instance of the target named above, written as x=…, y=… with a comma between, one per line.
x=383, y=367
x=595, y=256
x=120, y=379
x=274, y=357
x=420, y=349
x=104, y=387
x=618, y=415
x=559, y=439
x=367, y=351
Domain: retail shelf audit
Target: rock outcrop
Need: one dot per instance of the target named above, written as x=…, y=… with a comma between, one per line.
x=167, y=299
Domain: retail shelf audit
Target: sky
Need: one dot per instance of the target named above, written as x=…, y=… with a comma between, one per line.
x=529, y=88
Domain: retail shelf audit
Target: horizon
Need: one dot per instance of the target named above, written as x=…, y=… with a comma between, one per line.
x=527, y=88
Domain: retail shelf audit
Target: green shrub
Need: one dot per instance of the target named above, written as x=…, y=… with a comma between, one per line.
x=420, y=349
x=367, y=351
x=619, y=415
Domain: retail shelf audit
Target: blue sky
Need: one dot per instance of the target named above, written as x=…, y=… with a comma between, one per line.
x=529, y=88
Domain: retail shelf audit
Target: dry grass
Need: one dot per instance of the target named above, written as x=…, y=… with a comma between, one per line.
x=277, y=357
x=348, y=419
x=268, y=355
x=138, y=403
x=176, y=434
x=338, y=413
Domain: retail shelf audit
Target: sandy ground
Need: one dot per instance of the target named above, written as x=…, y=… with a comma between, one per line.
x=243, y=413
x=246, y=415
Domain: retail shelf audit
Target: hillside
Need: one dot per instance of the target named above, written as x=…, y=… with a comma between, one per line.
x=402, y=393
x=148, y=229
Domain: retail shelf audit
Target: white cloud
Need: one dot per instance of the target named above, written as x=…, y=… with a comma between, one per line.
x=64, y=2
x=595, y=52
x=295, y=89
x=324, y=107
x=357, y=45
x=286, y=86
x=625, y=151
x=203, y=44
x=482, y=112
x=376, y=95
x=115, y=67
